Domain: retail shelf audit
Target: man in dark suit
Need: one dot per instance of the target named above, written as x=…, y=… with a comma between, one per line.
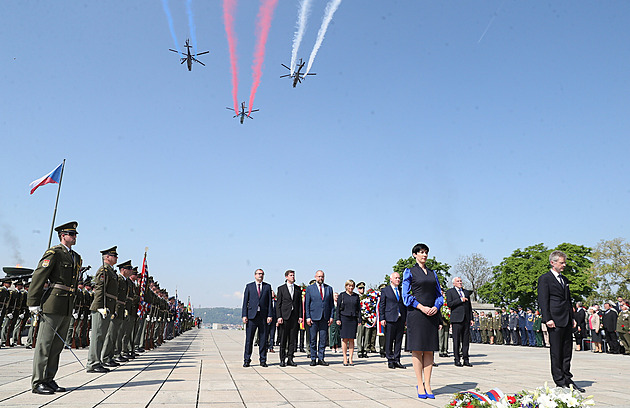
x=554, y=299
x=458, y=299
x=318, y=306
x=580, y=320
x=257, y=314
x=609, y=321
x=289, y=314
x=393, y=314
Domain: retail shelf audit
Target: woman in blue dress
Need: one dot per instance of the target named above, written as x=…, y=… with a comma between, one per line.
x=423, y=297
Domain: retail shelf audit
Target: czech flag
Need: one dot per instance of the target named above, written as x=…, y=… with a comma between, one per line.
x=52, y=177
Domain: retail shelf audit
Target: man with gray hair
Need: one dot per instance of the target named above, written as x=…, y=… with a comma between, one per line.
x=458, y=299
x=554, y=298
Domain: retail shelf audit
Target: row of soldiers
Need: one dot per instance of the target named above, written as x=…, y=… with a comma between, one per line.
x=516, y=327
x=13, y=310
x=122, y=315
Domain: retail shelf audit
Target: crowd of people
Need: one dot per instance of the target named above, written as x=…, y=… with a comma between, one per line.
x=114, y=314
x=600, y=329
x=413, y=312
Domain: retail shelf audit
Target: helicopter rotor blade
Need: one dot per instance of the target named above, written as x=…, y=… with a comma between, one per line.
x=286, y=67
x=196, y=60
x=201, y=53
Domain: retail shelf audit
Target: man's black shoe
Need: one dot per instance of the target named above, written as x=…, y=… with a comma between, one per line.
x=322, y=362
x=458, y=364
x=467, y=364
x=29, y=347
x=391, y=365
x=313, y=363
x=577, y=387
x=98, y=369
x=120, y=359
x=291, y=363
x=283, y=364
x=398, y=365
x=111, y=364
x=383, y=355
x=53, y=384
x=263, y=364
x=139, y=350
x=246, y=364
x=43, y=389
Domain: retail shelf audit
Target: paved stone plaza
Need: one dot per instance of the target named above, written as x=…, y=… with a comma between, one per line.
x=203, y=368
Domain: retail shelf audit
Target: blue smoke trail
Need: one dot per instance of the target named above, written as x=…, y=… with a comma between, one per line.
x=191, y=24
x=170, y=24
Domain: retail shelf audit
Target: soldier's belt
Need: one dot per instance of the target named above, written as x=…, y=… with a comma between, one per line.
x=62, y=287
x=120, y=302
x=111, y=296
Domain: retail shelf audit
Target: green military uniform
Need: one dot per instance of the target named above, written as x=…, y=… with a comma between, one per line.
x=538, y=330
x=113, y=340
x=623, y=328
x=131, y=306
x=9, y=317
x=483, y=328
x=102, y=310
x=23, y=315
x=60, y=268
x=496, y=326
x=74, y=318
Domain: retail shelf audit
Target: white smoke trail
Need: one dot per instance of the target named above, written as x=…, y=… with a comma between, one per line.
x=305, y=6
x=331, y=7
x=191, y=24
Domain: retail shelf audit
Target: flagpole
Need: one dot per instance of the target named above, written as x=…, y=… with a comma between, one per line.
x=63, y=166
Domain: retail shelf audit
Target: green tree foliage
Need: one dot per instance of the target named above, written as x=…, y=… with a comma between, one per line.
x=610, y=273
x=441, y=269
x=515, y=279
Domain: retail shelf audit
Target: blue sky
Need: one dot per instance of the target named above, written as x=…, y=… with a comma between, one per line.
x=417, y=128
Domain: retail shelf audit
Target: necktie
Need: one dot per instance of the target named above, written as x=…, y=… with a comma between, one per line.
x=561, y=280
x=461, y=293
x=321, y=292
x=397, y=295
x=290, y=290
x=258, y=287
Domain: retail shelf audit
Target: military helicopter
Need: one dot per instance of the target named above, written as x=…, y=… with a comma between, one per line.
x=296, y=75
x=243, y=112
x=188, y=57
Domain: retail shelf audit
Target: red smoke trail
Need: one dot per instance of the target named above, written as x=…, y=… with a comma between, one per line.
x=265, y=13
x=229, y=6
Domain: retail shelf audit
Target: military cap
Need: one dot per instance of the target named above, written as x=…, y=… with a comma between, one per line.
x=381, y=286
x=134, y=270
x=311, y=282
x=19, y=282
x=68, y=227
x=125, y=265
x=110, y=251
x=361, y=285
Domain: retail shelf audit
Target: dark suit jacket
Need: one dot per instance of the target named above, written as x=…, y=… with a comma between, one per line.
x=287, y=308
x=580, y=319
x=461, y=312
x=609, y=321
x=389, y=307
x=555, y=300
x=314, y=307
x=251, y=301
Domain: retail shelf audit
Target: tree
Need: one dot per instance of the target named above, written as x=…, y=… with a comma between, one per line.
x=440, y=269
x=515, y=279
x=475, y=270
x=610, y=272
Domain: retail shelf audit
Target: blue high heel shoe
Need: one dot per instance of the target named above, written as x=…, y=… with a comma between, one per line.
x=429, y=396
x=422, y=396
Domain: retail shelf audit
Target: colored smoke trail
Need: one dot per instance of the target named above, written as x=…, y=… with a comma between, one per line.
x=331, y=7
x=229, y=7
x=170, y=24
x=305, y=6
x=265, y=13
x=191, y=24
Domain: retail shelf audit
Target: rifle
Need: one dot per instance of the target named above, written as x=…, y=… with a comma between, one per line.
x=76, y=321
x=35, y=324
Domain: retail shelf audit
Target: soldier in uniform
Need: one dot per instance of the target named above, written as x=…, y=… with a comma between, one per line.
x=505, y=326
x=483, y=327
x=361, y=331
x=111, y=347
x=60, y=267
x=133, y=300
x=5, y=295
x=522, y=329
x=9, y=316
x=497, y=327
x=537, y=327
x=102, y=309
x=23, y=314
x=529, y=327
x=74, y=319
x=475, y=336
x=514, y=327
x=86, y=316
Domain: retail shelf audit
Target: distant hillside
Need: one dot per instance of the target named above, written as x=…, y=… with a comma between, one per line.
x=223, y=315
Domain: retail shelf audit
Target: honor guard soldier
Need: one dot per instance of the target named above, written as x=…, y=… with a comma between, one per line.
x=133, y=300
x=111, y=348
x=22, y=314
x=60, y=268
x=102, y=308
x=9, y=312
x=86, y=317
